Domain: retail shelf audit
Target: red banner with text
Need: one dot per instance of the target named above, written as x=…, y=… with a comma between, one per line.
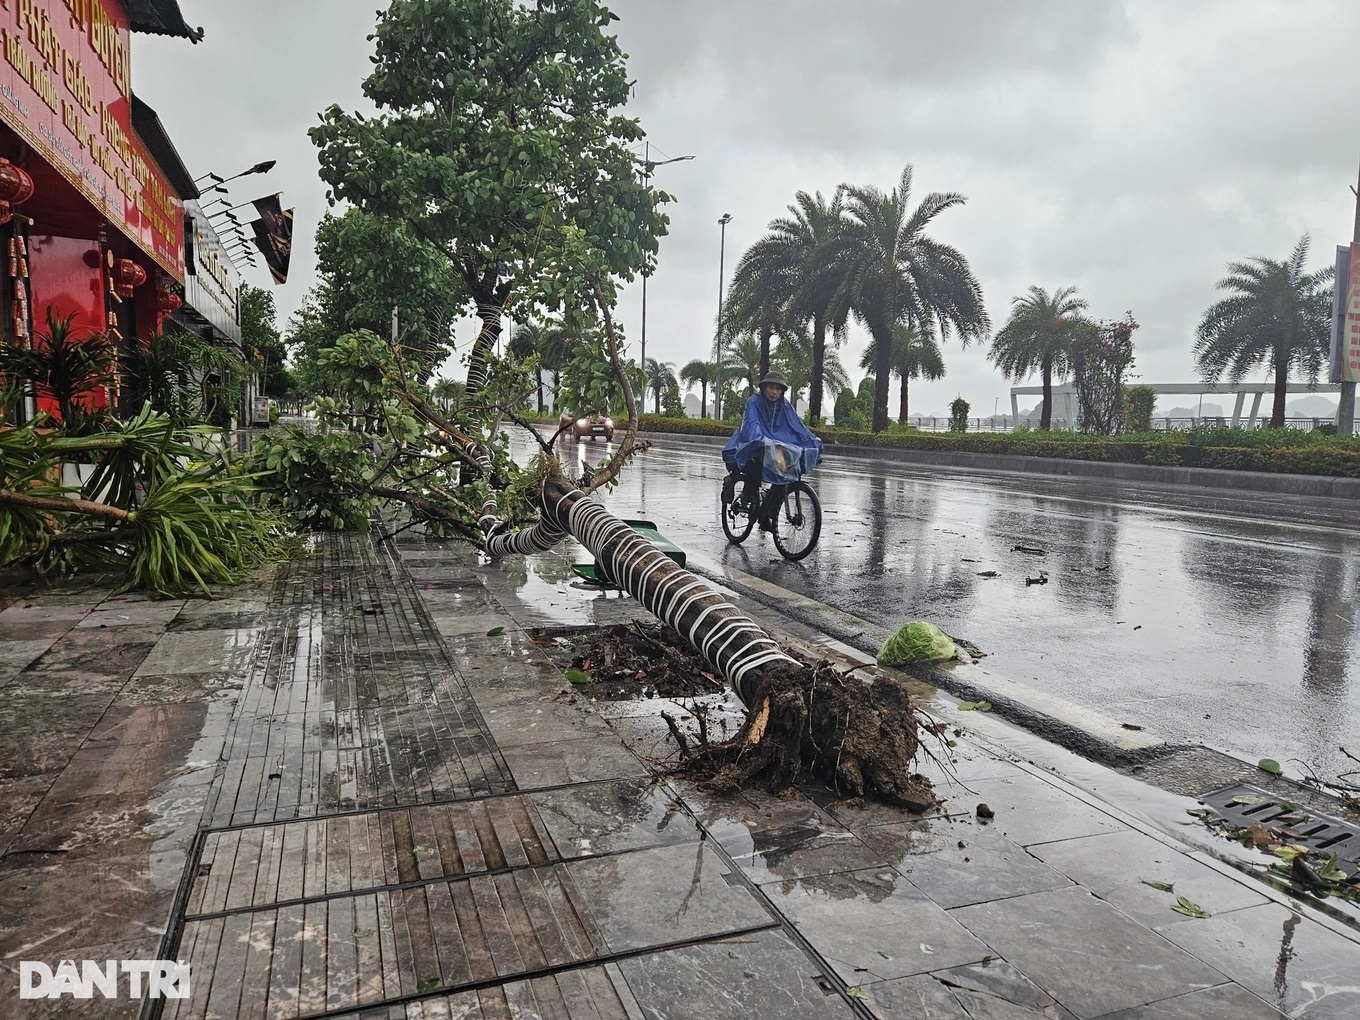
x=66, y=88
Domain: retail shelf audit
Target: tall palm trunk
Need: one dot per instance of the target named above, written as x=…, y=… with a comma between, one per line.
x=882, y=369
x=818, y=366
x=766, y=331
x=703, y=399
x=1046, y=415
x=1281, y=389
x=902, y=406
x=538, y=375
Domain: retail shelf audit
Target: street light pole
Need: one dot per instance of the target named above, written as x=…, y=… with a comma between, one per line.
x=647, y=166
x=1345, y=408
x=723, y=221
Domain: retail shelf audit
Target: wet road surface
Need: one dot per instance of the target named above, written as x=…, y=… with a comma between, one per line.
x=1205, y=616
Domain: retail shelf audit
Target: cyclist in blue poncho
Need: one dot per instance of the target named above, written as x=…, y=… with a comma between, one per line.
x=772, y=443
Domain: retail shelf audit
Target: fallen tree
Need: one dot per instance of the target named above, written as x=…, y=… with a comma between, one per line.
x=502, y=146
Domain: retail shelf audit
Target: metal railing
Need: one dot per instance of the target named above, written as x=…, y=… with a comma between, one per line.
x=1159, y=424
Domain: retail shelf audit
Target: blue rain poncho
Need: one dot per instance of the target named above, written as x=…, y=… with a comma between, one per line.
x=773, y=432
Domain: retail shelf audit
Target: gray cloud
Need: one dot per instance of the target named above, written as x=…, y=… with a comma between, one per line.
x=1128, y=148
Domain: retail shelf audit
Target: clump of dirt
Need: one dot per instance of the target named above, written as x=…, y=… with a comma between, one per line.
x=809, y=723
x=634, y=661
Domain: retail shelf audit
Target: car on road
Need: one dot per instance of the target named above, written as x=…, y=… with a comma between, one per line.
x=587, y=426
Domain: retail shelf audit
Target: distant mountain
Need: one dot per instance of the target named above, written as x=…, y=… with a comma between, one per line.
x=1206, y=410
x=1312, y=406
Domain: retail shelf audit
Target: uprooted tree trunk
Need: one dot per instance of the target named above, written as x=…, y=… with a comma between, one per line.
x=803, y=723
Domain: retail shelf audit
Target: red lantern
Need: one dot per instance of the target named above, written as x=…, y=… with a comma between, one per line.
x=15, y=187
x=168, y=301
x=126, y=276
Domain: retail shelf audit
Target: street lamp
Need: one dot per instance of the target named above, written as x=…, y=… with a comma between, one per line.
x=648, y=166
x=258, y=168
x=723, y=221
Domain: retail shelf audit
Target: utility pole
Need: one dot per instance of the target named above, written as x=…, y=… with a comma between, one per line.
x=723, y=221
x=1345, y=408
x=647, y=166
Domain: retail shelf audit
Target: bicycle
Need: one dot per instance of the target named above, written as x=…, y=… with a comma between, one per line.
x=791, y=510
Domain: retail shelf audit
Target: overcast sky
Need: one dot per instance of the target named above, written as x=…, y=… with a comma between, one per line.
x=1129, y=148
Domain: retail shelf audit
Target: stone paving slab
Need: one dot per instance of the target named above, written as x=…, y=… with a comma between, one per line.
x=369, y=806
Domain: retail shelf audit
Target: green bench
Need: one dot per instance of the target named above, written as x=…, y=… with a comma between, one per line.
x=595, y=574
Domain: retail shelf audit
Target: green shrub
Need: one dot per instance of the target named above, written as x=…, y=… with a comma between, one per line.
x=296, y=472
x=1165, y=455
x=958, y=415
x=1138, y=405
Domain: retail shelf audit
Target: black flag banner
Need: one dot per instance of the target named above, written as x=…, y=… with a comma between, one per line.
x=274, y=235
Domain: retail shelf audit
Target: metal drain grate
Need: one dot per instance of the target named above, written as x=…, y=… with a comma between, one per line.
x=1248, y=805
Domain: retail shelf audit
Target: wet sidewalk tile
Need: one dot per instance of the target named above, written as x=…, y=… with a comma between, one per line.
x=15, y=656
x=1293, y=963
x=1226, y=1002
x=874, y=925
x=1030, y=810
x=777, y=838
x=201, y=651
x=1115, y=865
x=1088, y=955
x=664, y=895
x=990, y=990
x=560, y=762
x=762, y=975
x=958, y=863
x=602, y=818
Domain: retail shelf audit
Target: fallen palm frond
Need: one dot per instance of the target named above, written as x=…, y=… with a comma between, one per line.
x=160, y=505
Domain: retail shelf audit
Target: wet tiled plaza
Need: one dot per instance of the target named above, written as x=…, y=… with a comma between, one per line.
x=358, y=786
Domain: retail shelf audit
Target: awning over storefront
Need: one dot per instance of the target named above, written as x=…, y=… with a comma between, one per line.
x=153, y=135
x=160, y=17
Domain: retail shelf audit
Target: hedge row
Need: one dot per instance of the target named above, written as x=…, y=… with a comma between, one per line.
x=1286, y=451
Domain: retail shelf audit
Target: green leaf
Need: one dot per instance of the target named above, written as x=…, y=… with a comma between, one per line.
x=857, y=993
x=1289, y=805
x=427, y=985
x=1247, y=799
x=495, y=632
x=984, y=706
x=577, y=677
x=1184, y=906
x=1163, y=886
x=362, y=933
x=967, y=706
x=1269, y=765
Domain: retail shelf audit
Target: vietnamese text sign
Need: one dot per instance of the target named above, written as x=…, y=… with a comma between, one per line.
x=1350, y=318
x=66, y=88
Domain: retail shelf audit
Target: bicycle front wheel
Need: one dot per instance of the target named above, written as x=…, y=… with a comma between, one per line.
x=797, y=521
x=737, y=519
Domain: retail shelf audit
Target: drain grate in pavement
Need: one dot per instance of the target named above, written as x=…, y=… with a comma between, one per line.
x=1245, y=805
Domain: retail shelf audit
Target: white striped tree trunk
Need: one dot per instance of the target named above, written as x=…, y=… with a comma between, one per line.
x=732, y=642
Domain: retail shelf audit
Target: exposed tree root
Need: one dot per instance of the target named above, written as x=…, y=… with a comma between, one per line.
x=818, y=725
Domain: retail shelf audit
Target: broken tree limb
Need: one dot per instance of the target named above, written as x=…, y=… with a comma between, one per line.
x=861, y=738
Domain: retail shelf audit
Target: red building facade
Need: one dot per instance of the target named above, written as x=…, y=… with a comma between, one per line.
x=91, y=225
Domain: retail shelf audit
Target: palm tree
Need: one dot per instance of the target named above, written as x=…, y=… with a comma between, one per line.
x=700, y=373
x=915, y=355
x=1276, y=315
x=660, y=379
x=1038, y=335
x=559, y=340
x=449, y=393
x=795, y=358
x=741, y=362
x=526, y=340
x=805, y=253
x=761, y=296
x=897, y=274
